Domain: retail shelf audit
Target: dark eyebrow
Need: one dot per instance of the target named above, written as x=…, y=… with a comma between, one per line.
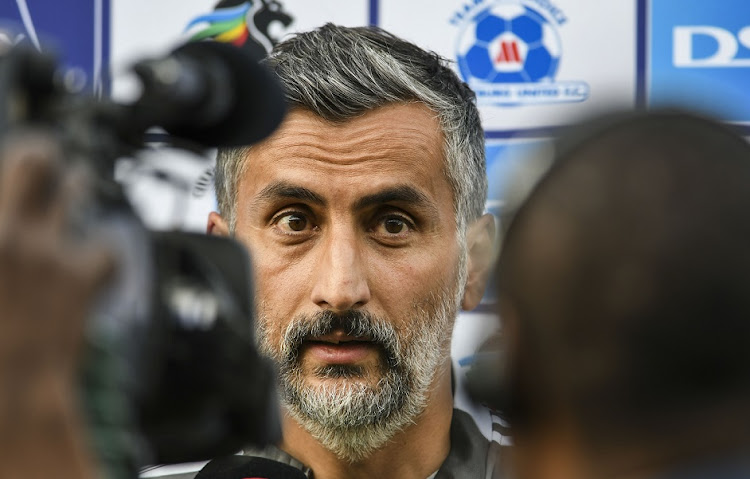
x=397, y=194
x=287, y=190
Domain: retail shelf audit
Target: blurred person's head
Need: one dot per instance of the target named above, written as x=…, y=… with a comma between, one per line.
x=359, y=213
x=623, y=290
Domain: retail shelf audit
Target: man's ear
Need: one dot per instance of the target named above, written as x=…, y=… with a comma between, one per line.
x=480, y=243
x=217, y=225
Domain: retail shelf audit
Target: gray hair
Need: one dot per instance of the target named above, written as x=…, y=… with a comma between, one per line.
x=341, y=72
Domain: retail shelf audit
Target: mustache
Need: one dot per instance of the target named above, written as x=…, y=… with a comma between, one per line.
x=355, y=323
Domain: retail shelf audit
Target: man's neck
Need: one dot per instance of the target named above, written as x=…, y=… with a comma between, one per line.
x=414, y=453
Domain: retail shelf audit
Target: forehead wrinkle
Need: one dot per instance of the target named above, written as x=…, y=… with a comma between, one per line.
x=388, y=142
x=357, y=140
x=337, y=152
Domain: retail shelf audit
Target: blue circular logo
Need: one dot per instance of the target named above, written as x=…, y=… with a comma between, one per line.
x=508, y=43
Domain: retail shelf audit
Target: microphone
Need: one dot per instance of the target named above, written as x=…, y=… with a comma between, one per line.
x=248, y=467
x=213, y=93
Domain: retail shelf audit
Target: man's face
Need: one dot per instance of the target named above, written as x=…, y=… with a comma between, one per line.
x=357, y=263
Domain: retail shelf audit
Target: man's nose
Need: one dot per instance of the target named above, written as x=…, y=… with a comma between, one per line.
x=341, y=280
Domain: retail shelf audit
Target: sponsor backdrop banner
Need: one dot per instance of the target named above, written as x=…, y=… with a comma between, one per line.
x=532, y=63
x=699, y=56
x=77, y=33
x=147, y=27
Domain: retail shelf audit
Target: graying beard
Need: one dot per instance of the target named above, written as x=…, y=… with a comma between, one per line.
x=353, y=323
x=356, y=419
x=338, y=371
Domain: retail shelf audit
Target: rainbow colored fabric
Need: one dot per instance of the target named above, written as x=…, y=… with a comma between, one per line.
x=227, y=25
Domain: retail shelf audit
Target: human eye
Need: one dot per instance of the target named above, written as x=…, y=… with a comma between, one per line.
x=393, y=228
x=293, y=223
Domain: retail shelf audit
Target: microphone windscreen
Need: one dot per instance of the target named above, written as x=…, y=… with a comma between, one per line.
x=248, y=467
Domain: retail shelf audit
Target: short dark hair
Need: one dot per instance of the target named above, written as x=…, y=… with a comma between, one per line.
x=627, y=276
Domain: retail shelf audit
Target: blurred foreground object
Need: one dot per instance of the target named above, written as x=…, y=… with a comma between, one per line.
x=169, y=370
x=623, y=294
x=47, y=283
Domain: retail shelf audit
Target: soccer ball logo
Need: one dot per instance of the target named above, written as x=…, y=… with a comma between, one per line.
x=509, y=43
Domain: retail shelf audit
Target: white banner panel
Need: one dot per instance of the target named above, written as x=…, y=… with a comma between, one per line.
x=146, y=28
x=532, y=63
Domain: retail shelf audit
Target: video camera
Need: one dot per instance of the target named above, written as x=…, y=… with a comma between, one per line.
x=170, y=371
